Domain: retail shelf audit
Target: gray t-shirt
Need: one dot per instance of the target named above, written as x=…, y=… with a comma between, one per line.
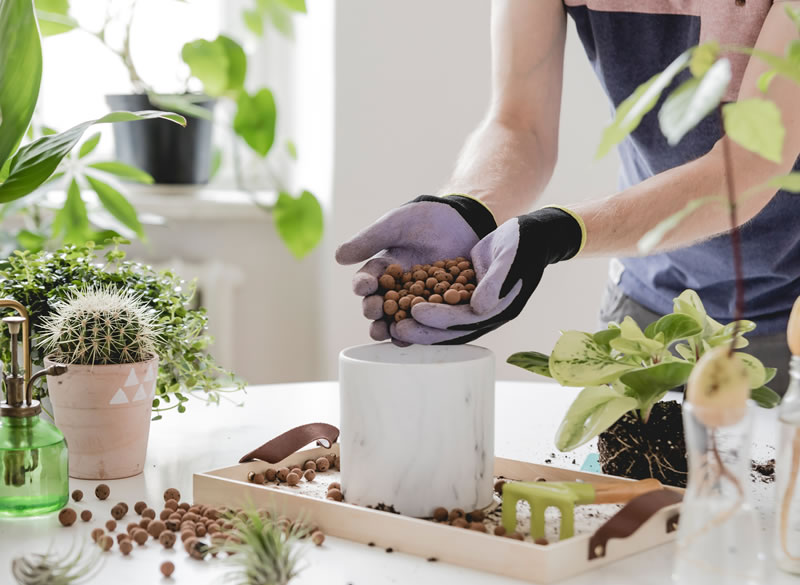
x=628, y=41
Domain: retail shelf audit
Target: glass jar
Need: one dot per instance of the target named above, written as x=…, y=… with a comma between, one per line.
x=787, y=470
x=34, y=476
x=719, y=536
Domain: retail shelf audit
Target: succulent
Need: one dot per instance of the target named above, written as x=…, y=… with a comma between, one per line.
x=100, y=325
x=262, y=550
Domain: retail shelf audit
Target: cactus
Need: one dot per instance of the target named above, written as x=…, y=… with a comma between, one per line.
x=100, y=325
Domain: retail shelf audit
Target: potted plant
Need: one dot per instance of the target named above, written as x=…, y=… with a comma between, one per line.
x=627, y=371
x=40, y=280
x=107, y=337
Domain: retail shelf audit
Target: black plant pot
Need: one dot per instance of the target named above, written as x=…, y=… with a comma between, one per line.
x=170, y=153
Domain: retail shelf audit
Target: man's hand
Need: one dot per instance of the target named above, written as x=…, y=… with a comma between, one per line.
x=508, y=264
x=420, y=232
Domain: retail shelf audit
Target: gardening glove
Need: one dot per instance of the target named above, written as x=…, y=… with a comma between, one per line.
x=424, y=230
x=508, y=265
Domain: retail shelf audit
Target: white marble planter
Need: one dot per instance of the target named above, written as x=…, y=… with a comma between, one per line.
x=417, y=426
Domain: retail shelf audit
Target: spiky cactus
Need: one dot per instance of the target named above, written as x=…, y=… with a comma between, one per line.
x=100, y=325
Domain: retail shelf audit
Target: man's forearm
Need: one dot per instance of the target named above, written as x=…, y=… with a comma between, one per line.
x=505, y=166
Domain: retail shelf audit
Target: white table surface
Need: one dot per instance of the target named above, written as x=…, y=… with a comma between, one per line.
x=209, y=437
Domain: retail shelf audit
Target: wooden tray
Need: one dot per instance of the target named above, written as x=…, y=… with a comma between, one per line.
x=474, y=550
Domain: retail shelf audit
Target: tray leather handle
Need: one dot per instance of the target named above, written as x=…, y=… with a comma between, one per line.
x=293, y=440
x=631, y=517
x=619, y=492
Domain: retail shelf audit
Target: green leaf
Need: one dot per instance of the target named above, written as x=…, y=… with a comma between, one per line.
x=123, y=170
x=685, y=352
x=784, y=66
x=765, y=79
x=20, y=72
x=633, y=341
x=295, y=5
x=578, y=360
x=603, y=338
x=631, y=111
x=790, y=182
x=89, y=145
x=650, y=383
x=216, y=163
x=725, y=334
x=703, y=57
x=692, y=101
x=183, y=104
x=253, y=21
x=674, y=326
x=33, y=164
x=765, y=397
x=72, y=218
x=755, y=124
x=769, y=374
x=594, y=410
x=255, y=120
x=298, y=222
x=755, y=369
x=291, y=149
x=54, y=18
x=279, y=15
x=689, y=303
x=220, y=65
x=29, y=240
x=117, y=205
x=653, y=238
x=533, y=361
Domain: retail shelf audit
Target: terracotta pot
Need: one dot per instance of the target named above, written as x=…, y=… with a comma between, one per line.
x=104, y=412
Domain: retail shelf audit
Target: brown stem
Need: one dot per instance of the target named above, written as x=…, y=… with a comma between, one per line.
x=736, y=242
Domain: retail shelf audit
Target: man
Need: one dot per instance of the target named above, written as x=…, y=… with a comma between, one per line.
x=508, y=161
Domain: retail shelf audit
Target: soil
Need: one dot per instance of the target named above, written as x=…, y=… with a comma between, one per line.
x=763, y=472
x=630, y=448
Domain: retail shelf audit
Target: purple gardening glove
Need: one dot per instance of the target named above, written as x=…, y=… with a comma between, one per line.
x=422, y=231
x=508, y=264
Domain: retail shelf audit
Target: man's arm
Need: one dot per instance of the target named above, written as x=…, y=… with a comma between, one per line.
x=509, y=159
x=615, y=224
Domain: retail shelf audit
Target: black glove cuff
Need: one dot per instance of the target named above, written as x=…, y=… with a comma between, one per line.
x=553, y=230
x=476, y=214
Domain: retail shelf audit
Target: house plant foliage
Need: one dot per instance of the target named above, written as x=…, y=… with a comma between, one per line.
x=107, y=337
x=39, y=280
x=626, y=371
x=24, y=168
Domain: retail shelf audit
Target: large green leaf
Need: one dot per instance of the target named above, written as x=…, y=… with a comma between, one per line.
x=594, y=410
x=298, y=222
x=89, y=145
x=633, y=341
x=755, y=124
x=674, y=326
x=220, y=65
x=650, y=240
x=603, y=338
x=765, y=397
x=117, y=205
x=756, y=372
x=33, y=164
x=578, y=360
x=255, y=120
x=54, y=17
x=124, y=171
x=790, y=182
x=20, y=72
x=72, y=218
x=725, y=334
x=533, y=361
x=650, y=383
x=692, y=101
x=631, y=111
x=689, y=303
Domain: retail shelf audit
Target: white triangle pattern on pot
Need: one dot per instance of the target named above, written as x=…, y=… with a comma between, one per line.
x=153, y=389
x=119, y=398
x=140, y=395
x=149, y=375
x=132, y=378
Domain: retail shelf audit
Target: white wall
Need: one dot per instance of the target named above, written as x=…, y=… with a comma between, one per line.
x=411, y=81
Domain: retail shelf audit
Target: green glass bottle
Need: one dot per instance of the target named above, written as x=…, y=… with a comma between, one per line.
x=34, y=471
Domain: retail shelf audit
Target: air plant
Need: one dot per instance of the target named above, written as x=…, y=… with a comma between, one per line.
x=100, y=325
x=262, y=548
x=53, y=569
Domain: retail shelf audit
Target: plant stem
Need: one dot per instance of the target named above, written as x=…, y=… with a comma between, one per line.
x=736, y=242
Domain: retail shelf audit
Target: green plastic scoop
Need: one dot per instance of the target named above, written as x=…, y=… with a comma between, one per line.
x=565, y=495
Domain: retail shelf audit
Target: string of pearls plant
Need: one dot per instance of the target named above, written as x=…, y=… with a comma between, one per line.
x=99, y=326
